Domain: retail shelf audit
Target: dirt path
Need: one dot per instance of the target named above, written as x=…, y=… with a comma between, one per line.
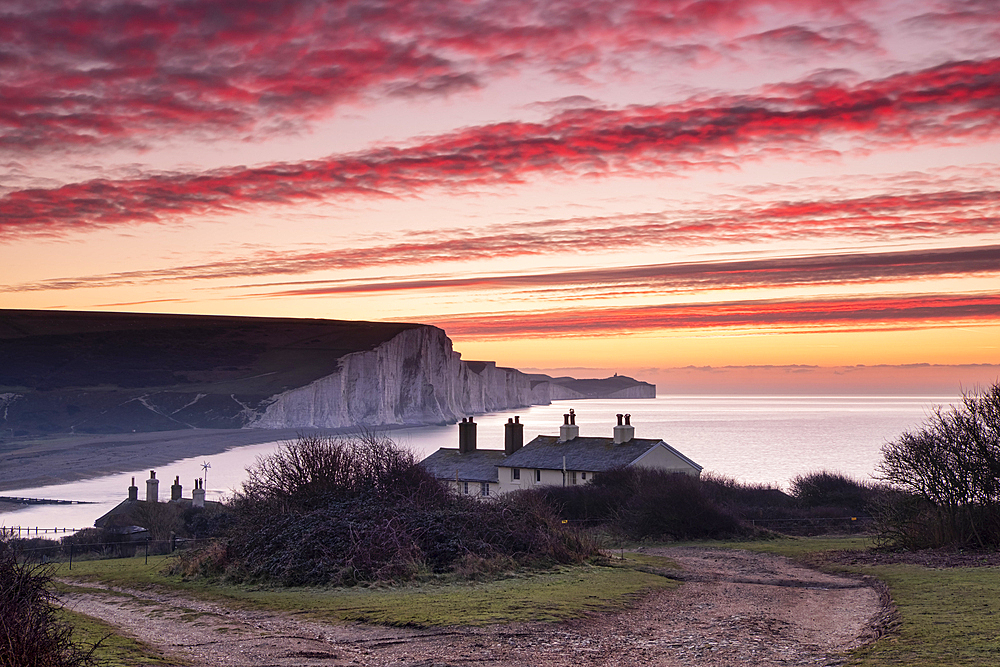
x=735, y=608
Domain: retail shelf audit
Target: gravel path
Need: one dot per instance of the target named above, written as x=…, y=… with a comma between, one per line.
x=734, y=608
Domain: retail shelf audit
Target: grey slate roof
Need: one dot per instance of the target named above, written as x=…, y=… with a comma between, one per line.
x=478, y=466
x=593, y=454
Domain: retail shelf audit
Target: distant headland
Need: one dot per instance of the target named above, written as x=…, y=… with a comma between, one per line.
x=66, y=372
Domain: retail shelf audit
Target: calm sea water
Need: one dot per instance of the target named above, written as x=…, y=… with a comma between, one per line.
x=765, y=439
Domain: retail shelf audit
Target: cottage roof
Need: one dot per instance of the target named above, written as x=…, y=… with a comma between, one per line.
x=594, y=454
x=127, y=506
x=122, y=508
x=479, y=465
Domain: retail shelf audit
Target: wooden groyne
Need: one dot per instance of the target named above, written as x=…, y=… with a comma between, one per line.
x=42, y=501
x=26, y=531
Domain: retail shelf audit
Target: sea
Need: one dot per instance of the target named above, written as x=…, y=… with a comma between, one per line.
x=751, y=439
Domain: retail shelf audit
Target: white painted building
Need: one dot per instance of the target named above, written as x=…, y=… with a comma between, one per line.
x=564, y=460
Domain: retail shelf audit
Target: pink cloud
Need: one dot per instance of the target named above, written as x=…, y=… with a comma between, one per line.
x=796, y=41
x=99, y=72
x=893, y=218
x=782, y=272
x=950, y=103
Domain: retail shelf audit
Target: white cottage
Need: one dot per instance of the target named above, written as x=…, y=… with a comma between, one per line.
x=563, y=460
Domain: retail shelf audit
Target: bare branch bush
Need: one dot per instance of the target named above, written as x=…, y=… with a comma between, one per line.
x=948, y=473
x=31, y=635
x=344, y=511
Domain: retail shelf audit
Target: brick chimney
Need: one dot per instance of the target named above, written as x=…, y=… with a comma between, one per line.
x=466, y=436
x=152, y=488
x=624, y=432
x=133, y=491
x=569, y=430
x=513, y=435
x=175, y=489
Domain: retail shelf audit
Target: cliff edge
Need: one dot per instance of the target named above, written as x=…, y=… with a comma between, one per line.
x=93, y=372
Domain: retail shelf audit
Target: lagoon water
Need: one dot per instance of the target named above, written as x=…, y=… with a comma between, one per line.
x=760, y=439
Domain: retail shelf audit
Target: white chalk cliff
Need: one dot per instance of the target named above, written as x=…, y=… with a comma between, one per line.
x=415, y=378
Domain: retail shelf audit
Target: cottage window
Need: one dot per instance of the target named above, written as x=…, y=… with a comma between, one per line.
x=465, y=488
x=484, y=488
x=572, y=477
x=515, y=474
x=583, y=476
x=538, y=475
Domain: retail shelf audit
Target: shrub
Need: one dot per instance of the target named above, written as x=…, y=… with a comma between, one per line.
x=675, y=506
x=948, y=477
x=833, y=490
x=344, y=511
x=30, y=633
x=644, y=503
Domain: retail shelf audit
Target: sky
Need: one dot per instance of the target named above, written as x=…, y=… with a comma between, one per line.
x=717, y=195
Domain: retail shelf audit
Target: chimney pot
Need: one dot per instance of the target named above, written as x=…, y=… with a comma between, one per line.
x=198, y=495
x=513, y=437
x=152, y=488
x=467, y=436
x=624, y=432
x=569, y=430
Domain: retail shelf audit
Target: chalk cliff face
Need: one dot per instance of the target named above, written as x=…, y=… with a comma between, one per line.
x=89, y=372
x=414, y=378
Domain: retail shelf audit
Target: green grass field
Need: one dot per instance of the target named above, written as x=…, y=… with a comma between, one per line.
x=548, y=595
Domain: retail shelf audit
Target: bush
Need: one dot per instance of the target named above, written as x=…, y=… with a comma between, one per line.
x=836, y=491
x=643, y=503
x=947, y=475
x=345, y=511
x=30, y=634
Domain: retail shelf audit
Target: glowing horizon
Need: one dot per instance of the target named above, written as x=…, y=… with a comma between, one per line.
x=608, y=185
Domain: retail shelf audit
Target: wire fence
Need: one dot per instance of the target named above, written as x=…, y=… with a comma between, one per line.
x=68, y=551
x=850, y=521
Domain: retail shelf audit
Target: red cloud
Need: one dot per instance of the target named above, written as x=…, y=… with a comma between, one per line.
x=814, y=315
x=883, y=218
x=94, y=72
x=945, y=104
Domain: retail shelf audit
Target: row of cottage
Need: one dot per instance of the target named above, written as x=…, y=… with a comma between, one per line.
x=562, y=460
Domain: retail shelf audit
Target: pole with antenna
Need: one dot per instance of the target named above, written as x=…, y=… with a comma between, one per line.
x=206, y=466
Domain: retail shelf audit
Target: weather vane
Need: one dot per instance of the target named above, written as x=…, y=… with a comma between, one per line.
x=205, y=466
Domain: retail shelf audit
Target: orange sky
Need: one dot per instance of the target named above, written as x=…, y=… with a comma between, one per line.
x=628, y=186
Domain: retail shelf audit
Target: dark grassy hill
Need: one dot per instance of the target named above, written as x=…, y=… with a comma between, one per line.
x=92, y=372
